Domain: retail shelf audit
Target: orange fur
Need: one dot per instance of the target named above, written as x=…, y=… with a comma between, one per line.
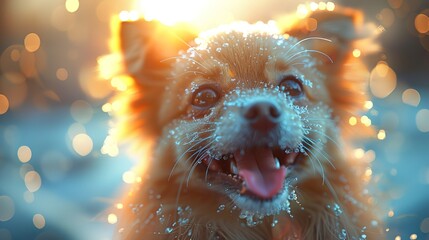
x=179, y=198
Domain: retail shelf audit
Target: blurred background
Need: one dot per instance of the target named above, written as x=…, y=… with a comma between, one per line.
x=60, y=167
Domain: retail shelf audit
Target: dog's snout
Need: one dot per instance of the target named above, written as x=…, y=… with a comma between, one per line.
x=262, y=116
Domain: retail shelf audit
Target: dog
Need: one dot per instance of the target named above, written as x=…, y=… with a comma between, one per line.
x=245, y=129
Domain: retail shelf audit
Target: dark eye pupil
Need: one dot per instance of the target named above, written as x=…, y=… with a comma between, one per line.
x=205, y=98
x=292, y=86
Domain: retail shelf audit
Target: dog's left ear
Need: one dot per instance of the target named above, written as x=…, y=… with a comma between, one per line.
x=350, y=39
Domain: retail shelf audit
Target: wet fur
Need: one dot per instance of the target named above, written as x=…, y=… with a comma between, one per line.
x=174, y=193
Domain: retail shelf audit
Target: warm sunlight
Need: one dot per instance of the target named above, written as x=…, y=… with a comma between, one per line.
x=170, y=12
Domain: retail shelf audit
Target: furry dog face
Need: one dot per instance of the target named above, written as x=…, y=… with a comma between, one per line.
x=251, y=111
x=245, y=127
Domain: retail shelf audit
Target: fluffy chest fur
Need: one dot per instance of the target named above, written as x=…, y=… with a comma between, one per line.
x=245, y=129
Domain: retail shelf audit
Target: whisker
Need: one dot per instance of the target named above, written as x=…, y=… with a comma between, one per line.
x=186, y=73
x=325, y=181
x=195, y=135
x=320, y=150
x=202, y=123
x=185, y=152
x=201, y=154
x=322, y=170
x=327, y=136
x=183, y=176
x=300, y=63
x=208, y=167
x=319, y=119
x=307, y=39
x=188, y=59
x=194, y=165
x=291, y=58
x=188, y=45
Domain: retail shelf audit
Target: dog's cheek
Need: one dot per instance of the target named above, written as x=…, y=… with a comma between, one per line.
x=319, y=122
x=174, y=103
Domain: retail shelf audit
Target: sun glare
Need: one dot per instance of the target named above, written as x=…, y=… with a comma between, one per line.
x=170, y=12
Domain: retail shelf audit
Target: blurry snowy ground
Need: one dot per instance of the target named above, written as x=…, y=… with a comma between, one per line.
x=61, y=190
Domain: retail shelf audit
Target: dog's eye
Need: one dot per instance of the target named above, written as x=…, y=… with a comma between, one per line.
x=292, y=86
x=205, y=97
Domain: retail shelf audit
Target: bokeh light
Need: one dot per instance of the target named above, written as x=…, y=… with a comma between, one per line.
x=352, y=121
x=330, y=6
x=4, y=104
x=311, y=24
x=110, y=146
x=24, y=154
x=381, y=135
x=129, y=16
x=365, y=120
x=33, y=181
x=382, y=80
x=368, y=105
x=7, y=208
x=39, y=221
x=387, y=17
x=411, y=97
x=32, y=42
x=112, y=218
x=72, y=5
x=356, y=53
x=359, y=153
x=421, y=22
x=62, y=74
x=424, y=225
x=422, y=120
x=129, y=177
x=82, y=144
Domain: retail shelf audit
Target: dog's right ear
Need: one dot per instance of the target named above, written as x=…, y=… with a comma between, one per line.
x=146, y=44
x=144, y=47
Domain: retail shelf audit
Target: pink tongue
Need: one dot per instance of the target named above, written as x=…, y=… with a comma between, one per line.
x=257, y=167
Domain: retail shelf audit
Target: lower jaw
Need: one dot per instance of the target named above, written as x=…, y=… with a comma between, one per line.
x=251, y=206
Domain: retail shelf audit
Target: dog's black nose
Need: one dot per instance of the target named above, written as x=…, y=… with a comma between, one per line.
x=262, y=116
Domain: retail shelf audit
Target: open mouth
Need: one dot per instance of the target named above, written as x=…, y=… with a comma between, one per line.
x=260, y=170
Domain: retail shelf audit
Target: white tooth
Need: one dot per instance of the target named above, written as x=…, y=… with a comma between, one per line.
x=233, y=168
x=277, y=163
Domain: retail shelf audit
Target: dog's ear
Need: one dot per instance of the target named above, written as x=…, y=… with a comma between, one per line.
x=349, y=39
x=146, y=47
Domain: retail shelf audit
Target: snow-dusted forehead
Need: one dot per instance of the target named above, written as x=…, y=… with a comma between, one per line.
x=259, y=53
x=243, y=28
x=245, y=53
